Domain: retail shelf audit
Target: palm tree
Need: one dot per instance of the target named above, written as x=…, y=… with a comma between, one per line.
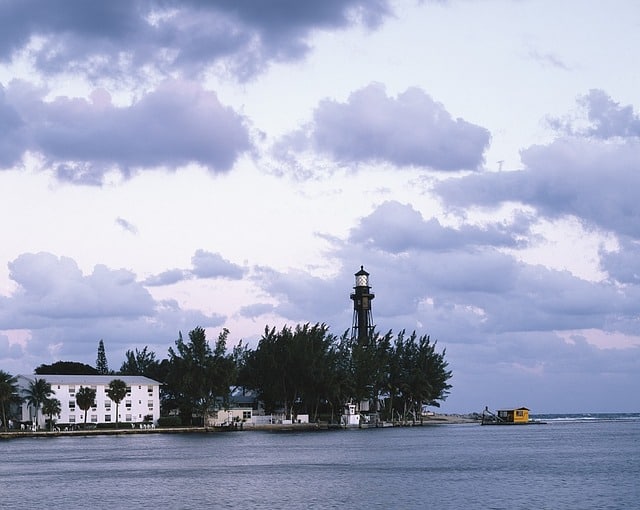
x=8, y=393
x=37, y=393
x=116, y=391
x=85, y=399
x=51, y=407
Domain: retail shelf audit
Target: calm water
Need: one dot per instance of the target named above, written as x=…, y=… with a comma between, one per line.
x=564, y=464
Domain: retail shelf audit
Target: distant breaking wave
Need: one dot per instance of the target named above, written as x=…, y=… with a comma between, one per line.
x=587, y=417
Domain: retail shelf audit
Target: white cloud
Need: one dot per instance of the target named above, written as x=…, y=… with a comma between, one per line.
x=176, y=124
x=410, y=130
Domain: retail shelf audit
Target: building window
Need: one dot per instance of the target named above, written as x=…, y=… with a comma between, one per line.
x=150, y=390
x=94, y=418
x=246, y=415
x=72, y=405
x=150, y=404
x=127, y=404
x=107, y=417
x=128, y=391
x=72, y=391
x=107, y=405
x=72, y=418
x=127, y=417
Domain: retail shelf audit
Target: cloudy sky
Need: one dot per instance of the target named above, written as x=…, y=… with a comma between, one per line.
x=166, y=165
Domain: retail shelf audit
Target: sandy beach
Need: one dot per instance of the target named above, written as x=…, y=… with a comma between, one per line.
x=450, y=419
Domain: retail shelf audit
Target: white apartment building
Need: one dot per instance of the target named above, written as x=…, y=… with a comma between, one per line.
x=141, y=403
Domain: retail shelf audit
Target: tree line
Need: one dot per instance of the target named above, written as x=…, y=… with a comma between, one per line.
x=301, y=370
x=307, y=370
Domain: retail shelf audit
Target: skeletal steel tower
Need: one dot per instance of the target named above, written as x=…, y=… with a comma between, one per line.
x=362, y=327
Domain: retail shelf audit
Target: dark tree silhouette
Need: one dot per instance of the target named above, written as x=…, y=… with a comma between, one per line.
x=199, y=378
x=101, y=361
x=37, y=393
x=305, y=369
x=294, y=369
x=85, y=397
x=140, y=363
x=116, y=392
x=8, y=393
x=66, y=368
x=51, y=408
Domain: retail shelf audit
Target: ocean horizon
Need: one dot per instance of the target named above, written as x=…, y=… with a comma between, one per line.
x=578, y=417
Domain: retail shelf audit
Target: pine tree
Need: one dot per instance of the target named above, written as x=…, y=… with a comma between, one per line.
x=101, y=362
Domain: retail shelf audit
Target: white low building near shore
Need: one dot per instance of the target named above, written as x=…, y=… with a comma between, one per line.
x=140, y=405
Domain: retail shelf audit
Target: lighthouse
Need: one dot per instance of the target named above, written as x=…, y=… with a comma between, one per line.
x=362, y=327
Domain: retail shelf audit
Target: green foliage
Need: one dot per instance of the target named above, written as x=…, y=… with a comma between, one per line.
x=85, y=397
x=106, y=426
x=417, y=376
x=169, y=421
x=199, y=378
x=116, y=391
x=294, y=369
x=102, y=366
x=51, y=407
x=66, y=368
x=369, y=364
x=8, y=393
x=145, y=363
x=307, y=370
x=140, y=363
x=37, y=393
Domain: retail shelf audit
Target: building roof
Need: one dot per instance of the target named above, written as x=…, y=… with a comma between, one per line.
x=92, y=379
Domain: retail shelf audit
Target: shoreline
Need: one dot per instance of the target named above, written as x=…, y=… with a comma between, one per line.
x=452, y=419
x=438, y=419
